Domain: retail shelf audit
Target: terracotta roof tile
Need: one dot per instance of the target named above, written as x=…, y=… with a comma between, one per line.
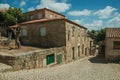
x=14, y=26
x=113, y=32
x=44, y=20
x=3, y=10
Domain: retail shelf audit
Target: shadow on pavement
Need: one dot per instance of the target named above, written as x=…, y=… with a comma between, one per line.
x=98, y=59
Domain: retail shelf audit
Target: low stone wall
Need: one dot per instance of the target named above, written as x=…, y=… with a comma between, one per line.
x=32, y=59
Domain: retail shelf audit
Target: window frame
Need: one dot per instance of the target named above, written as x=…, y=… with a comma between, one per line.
x=78, y=32
x=39, y=15
x=31, y=16
x=116, y=43
x=68, y=35
x=73, y=31
x=42, y=34
x=51, y=16
x=23, y=32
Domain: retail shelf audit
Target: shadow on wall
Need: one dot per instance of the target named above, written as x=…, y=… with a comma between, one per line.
x=98, y=59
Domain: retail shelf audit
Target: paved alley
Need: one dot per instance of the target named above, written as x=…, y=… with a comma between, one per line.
x=92, y=68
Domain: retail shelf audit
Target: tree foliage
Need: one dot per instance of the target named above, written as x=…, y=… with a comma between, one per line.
x=12, y=16
x=93, y=34
x=101, y=35
x=8, y=19
x=97, y=35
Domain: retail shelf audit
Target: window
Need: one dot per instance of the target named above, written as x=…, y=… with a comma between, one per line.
x=116, y=45
x=73, y=31
x=42, y=31
x=39, y=15
x=51, y=16
x=68, y=35
x=31, y=17
x=85, y=38
x=79, y=32
x=23, y=32
x=56, y=16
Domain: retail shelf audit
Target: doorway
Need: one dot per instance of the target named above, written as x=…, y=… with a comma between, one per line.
x=85, y=51
x=78, y=51
x=103, y=50
x=82, y=49
x=73, y=53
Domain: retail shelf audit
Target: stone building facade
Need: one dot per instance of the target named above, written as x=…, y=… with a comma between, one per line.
x=112, y=44
x=110, y=47
x=48, y=29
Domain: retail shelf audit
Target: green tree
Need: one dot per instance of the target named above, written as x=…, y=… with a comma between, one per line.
x=11, y=17
x=101, y=35
x=93, y=34
x=97, y=35
x=16, y=13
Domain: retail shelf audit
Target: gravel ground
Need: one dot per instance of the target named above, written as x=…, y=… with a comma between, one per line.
x=92, y=68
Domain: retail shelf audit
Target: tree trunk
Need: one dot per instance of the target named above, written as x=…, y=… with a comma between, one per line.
x=17, y=34
x=17, y=42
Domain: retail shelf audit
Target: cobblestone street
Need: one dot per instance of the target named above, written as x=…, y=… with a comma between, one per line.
x=92, y=68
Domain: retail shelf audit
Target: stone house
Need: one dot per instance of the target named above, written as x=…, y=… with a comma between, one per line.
x=112, y=44
x=110, y=47
x=48, y=29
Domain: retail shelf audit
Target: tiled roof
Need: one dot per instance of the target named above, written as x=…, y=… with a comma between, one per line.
x=3, y=10
x=44, y=20
x=14, y=26
x=113, y=32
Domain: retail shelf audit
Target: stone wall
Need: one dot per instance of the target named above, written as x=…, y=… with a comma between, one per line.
x=111, y=54
x=51, y=15
x=33, y=59
x=35, y=14
x=55, y=34
x=43, y=14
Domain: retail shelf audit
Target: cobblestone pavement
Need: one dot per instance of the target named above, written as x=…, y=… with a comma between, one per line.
x=92, y=68
x=4, y=67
